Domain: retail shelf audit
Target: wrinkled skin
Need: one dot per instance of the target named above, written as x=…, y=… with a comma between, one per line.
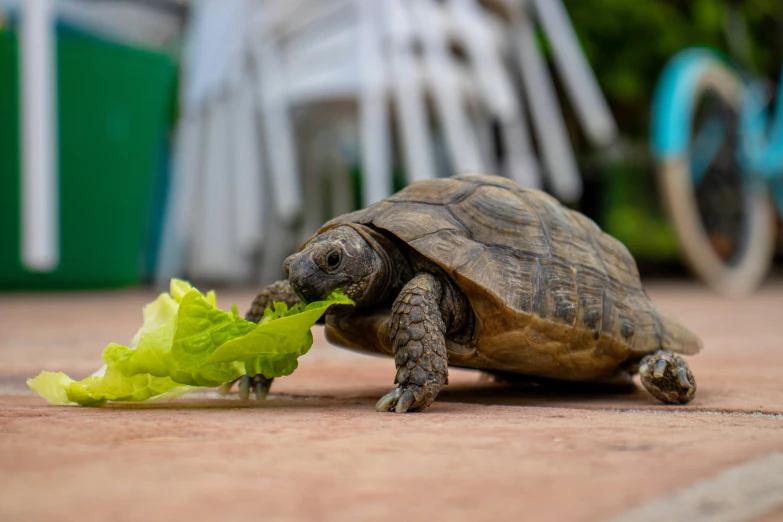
x=350, y=258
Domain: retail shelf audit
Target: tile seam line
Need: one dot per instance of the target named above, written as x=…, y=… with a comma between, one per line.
x=740, y=493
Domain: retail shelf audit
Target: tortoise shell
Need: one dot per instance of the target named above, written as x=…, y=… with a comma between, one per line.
x=553, y=295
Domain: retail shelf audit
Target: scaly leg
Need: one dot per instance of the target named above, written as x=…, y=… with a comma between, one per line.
x=667, y=377
x=279, y=292
x=417, y=335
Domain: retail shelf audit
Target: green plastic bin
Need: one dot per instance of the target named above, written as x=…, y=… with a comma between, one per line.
x=114, y=112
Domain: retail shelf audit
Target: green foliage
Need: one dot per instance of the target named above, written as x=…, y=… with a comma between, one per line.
x=631, y=213
x=629, y=41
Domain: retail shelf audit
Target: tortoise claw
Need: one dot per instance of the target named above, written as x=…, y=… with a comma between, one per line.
x=402, y=400
x=660, y=368
x=389, y=401
x=225, y=388
x=261, y=387
x=244, y=387
x=405, y=402
x=682, y=375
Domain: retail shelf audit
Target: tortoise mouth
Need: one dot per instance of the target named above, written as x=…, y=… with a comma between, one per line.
x=305, y=278
x=305, y=294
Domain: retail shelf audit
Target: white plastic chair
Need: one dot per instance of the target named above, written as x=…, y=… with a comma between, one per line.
x=305, y=54
x=580, y=82
x=210, y=223
x=485, y=47
x=554, y=144
x=279, y=92
x=592, y=111
x=249, y=170
x=448, y=86
x=408, y=87
x=331, y=53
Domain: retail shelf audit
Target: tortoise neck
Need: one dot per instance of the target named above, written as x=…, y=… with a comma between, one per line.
x=392, y=268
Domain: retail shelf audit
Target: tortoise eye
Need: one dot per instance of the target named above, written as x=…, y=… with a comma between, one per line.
x=333, y=260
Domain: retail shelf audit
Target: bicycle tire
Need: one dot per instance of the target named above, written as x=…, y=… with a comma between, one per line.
x=751, y=263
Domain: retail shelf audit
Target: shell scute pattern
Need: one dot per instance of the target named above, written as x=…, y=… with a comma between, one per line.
x=488, y=266
x=519, y=246
x=406, y=217
x=497, y=216
x=453, y=247
x=557, y=296
x=434, y=192
x=536, y=274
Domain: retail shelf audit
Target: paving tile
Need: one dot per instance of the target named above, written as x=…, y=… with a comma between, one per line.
x=316, y=450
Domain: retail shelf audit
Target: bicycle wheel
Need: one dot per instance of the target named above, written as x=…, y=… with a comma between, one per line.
x=723, y=216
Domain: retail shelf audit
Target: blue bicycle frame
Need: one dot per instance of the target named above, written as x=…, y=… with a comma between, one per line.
x=760, y=138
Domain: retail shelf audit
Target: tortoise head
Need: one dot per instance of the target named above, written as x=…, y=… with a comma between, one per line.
x=352, y=257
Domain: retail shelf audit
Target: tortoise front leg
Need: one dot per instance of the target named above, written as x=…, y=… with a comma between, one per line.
x=279, y=292
x=417, y=334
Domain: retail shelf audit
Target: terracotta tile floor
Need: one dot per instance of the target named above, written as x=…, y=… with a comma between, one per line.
x=316, y=450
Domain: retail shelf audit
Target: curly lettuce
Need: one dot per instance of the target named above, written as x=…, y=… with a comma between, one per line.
x=186, y=342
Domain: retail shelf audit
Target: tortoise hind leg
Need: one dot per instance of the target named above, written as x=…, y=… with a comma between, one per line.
x=667, y=377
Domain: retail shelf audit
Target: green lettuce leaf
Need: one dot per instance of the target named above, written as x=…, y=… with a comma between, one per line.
x=282, y=337
x=186, y=342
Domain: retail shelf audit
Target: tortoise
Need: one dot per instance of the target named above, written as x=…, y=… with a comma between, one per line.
x=477, y=272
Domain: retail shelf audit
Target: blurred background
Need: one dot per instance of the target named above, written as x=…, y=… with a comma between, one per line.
x=207, y=139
